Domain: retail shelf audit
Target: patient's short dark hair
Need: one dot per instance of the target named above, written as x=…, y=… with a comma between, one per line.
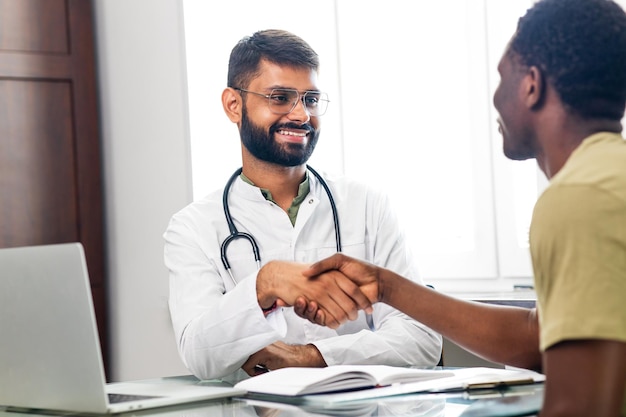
x=580, y=46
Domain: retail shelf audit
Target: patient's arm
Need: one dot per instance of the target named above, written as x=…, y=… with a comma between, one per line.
x=501, y=334
x=585, y=378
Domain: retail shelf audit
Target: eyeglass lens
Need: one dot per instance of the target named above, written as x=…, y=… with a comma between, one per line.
x=283, y=101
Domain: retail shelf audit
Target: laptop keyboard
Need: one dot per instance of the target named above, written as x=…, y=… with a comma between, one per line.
x=122, y=398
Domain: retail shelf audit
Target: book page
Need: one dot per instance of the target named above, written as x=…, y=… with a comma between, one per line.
x=301, y=380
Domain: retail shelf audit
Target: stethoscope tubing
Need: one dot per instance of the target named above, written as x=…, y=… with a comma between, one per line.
x=234, y=233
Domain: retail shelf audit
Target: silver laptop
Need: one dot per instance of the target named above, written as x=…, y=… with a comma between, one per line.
x=50, y=356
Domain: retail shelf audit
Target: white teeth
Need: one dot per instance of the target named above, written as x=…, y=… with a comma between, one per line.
x=290, y=133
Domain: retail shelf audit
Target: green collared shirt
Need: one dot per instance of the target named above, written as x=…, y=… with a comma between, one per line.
x=292, y=212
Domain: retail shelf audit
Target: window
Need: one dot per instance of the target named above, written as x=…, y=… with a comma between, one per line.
x=410, y=88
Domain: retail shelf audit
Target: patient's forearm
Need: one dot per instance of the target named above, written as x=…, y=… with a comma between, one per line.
x=500, y=334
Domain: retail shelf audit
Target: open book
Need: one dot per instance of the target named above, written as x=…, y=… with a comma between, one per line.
x=302, y=381
x=343, y=383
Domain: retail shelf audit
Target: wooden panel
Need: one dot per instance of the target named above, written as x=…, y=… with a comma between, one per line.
x=37, y=164
x=50, y=168
x=46, y=22
x=76, y=70
x=19, y=65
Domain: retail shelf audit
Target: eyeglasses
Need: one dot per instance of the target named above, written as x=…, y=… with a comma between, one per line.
x=284, y=100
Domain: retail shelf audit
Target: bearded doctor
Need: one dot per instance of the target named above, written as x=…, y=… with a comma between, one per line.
x=235, y=257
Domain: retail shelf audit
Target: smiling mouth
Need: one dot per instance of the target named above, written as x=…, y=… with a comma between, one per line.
x=292, y=133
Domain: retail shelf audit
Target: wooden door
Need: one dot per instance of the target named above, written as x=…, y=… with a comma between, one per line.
x=50, y=169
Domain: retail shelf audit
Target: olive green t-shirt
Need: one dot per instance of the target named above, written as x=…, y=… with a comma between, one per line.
x=578, y=246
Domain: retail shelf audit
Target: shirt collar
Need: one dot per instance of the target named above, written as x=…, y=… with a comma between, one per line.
x=303, y=191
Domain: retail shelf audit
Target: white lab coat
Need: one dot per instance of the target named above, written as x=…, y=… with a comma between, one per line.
x=218, y=325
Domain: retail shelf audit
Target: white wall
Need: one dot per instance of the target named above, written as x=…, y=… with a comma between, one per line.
x=146, y=174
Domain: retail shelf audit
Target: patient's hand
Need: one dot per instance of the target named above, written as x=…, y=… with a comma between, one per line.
x=363, y=274
x=334, y=294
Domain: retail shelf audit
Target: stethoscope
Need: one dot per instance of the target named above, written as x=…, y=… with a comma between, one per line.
x=236, y=234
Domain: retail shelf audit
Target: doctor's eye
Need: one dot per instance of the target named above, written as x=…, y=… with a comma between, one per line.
x=282, y=97
x=312, y=99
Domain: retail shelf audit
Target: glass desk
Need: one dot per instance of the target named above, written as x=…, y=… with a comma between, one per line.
x=514, y=401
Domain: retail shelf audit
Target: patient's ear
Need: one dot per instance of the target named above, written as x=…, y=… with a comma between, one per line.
x=232, y=102
x=534, y=87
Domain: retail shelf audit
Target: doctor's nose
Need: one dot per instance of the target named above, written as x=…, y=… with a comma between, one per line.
x=300, y=112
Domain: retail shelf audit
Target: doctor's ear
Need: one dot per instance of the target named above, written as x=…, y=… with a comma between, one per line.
x=233, y=103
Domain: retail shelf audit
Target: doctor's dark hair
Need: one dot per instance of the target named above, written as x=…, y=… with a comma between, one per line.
x=276, y=46
x=580, y=48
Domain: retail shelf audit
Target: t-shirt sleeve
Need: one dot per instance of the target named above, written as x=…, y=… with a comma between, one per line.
x=578, y=245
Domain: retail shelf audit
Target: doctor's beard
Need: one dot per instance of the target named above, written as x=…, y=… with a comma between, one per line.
x=263, y=146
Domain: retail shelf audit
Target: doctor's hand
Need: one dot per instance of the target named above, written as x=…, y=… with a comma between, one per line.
x=335, y=295
x=366, y=275
x=281, y=355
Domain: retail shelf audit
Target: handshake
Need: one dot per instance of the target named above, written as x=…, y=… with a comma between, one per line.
x=328, y=292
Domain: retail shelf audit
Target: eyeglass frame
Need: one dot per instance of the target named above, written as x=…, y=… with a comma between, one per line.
x=301, y=97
